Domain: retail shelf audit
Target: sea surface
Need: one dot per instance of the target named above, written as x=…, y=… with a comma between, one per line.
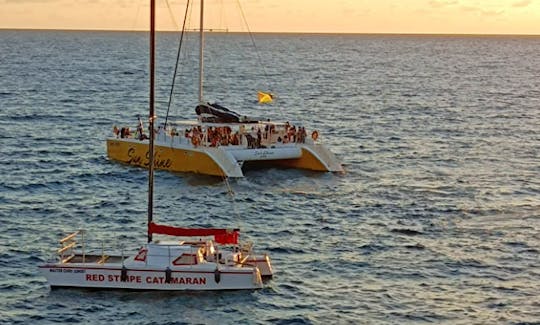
x=436, y=220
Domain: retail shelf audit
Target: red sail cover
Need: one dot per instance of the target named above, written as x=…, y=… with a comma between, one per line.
x=221, y=236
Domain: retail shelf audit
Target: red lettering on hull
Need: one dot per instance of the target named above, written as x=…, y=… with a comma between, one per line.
x=95, y=277
x=161, y=280
x=148, y=279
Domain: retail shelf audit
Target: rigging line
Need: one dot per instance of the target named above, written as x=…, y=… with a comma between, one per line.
x=186, y=57
x=177, y=60
x=257, y=52
x=171, y=14
x=231, y=193
x=253, y=41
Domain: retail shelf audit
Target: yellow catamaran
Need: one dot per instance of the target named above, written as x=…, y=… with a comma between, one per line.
x=220, y=142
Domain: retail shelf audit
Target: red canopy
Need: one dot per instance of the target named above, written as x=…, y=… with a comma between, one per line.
x=221, y=236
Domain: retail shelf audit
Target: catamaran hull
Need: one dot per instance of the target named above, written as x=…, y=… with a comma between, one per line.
x=110, y=277
x=263, y=264
x=135, y=152
x=220, y=161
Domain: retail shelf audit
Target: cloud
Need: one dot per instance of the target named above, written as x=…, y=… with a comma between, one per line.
x=491, y=12
x=481, y=11
x=521, y=4
x=27, y=1
x=51, y=2
x=442, y=3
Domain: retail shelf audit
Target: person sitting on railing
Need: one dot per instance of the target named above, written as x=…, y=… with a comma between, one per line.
x=212, y=136
x=224, y=140
x=235, y=139
x=195, y=133
x=127, y=133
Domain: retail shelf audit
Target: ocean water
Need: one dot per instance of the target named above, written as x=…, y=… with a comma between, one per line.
x=437, y=219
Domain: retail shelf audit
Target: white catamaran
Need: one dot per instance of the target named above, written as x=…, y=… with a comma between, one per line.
x=220, y=142
x=208, y=259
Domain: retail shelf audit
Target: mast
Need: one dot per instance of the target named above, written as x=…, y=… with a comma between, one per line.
x=201, y=52
x=151, y=117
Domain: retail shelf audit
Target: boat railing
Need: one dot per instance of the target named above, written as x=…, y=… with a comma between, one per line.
x=68, y=244
x=271, y=134
x=244, y=139
x=74, y=249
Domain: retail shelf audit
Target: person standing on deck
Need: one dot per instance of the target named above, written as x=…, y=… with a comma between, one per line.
x=140, y=128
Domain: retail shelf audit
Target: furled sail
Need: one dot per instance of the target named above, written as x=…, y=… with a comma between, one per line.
x=215, y=113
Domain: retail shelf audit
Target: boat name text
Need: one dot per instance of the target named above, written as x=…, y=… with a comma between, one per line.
x=67, y=271
x=140, y=279
x=135, y=159
x=263, y=153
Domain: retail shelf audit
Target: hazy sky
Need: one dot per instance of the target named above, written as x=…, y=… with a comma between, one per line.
x=334, y=16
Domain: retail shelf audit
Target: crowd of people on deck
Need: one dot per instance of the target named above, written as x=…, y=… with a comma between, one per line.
x=125, y=132
x=293, y=134
x=215, y=136
x=256, y=137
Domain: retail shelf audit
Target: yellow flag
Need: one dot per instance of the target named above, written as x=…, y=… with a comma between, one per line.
x=265, y=98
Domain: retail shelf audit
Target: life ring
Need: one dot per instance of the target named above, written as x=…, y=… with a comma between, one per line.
x=315, y=135
x=195, y=141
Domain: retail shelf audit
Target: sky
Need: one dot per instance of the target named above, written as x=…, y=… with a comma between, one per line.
x=316, y=16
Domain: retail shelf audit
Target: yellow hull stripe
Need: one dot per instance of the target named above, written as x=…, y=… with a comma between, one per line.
x=165, y=158
x=307, y=161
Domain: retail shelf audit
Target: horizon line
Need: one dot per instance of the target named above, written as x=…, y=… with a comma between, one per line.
x=267, y=32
